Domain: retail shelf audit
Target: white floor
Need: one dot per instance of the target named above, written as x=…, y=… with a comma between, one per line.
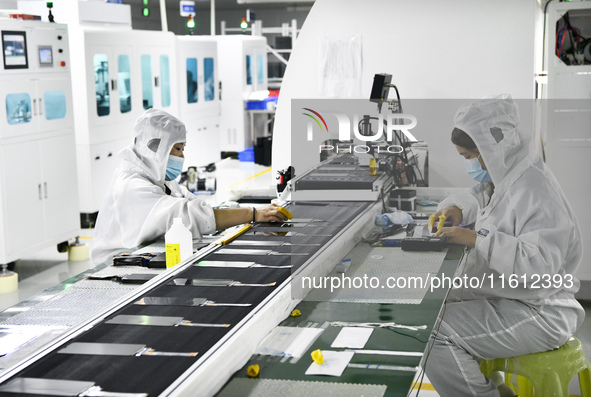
x=46, y=268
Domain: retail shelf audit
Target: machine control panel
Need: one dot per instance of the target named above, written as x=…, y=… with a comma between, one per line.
x=33, y=46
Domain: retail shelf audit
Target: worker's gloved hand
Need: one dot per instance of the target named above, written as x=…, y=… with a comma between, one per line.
x=452, y=214
x=458, y=235
x=269, y=213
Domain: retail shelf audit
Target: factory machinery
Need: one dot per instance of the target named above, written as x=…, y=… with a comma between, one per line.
x=187, y=330
x=191, y=329
x=194, y=329
x=71, y=95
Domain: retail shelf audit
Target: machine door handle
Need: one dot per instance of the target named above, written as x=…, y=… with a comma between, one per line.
x=156, y=81
x=113, y=85
x=40, y=192
x=34, y=106
x=40, y=106
x=45, y=189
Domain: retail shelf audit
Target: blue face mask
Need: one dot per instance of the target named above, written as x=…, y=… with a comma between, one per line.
x=476, y=172
x=174, y=167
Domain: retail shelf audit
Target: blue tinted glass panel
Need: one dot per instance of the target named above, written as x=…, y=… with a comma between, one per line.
x=18, y=108
x=54, y=103
x=124, y=83
x=147, y=91
x=260, y=69
x=248, y=70
x=165, y=76
x=191, y=80
x=209, y=78
x=101, y=78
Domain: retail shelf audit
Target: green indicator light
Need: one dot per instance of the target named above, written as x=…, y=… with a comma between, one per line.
x=146, y=12
x=244, y=24
x=145, y=2
x=190, y=24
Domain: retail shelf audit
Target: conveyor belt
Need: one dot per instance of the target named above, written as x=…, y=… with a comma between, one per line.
x=153, y=374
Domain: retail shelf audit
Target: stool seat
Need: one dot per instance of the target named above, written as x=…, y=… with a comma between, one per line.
x=548, y=373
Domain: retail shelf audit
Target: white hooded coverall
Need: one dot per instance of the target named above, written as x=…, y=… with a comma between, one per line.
x=526, y=228
x=137, y=208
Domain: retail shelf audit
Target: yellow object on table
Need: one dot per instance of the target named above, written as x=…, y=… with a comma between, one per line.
x=253, y=371
x=317, y=356
x=296, y=313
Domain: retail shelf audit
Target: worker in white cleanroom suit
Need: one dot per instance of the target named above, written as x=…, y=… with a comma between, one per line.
x=144, y=197
x=526, y=246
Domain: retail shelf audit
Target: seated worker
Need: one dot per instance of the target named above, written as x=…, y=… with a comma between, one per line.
x=144, y=197
x=525, y=230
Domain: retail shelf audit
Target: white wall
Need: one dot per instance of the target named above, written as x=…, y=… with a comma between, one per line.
x=455, y=49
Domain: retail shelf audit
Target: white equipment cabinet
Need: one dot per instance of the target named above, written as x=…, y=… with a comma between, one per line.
x=567, y=122
x=199, y=98
x=38, y=178
x=243, y=69
x=116, y=76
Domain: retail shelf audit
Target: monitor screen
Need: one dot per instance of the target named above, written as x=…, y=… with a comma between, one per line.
x=45, y=56
x=14, y=47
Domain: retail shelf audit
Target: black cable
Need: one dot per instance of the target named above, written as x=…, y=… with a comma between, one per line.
x=543, y=66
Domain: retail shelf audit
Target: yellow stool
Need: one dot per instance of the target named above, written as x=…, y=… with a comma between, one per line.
x=549, y=373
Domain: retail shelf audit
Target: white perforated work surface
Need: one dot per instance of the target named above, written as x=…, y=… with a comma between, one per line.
x=298, y=388
x=67, y=309
x=81, y=300
x=411, y=269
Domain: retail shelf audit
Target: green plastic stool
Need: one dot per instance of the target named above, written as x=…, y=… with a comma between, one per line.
x=549, y=373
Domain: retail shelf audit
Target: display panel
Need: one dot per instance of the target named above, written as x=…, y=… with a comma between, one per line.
x=14, y=50
x=45, y=56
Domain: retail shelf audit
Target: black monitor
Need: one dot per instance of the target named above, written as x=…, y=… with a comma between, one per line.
x=14, y=50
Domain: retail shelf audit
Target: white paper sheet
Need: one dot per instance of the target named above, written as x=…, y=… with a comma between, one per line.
x=334, y=363
x=352, y=337
x=288, y=341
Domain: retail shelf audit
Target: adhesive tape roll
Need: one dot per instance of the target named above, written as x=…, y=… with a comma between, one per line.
x=8, y=283
x=79, y=252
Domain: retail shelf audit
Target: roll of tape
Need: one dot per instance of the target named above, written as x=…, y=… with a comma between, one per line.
x=80, y=252
x=8, y=283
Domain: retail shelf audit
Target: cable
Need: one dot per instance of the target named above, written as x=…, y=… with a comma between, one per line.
x=410, y=336
x=544, y=35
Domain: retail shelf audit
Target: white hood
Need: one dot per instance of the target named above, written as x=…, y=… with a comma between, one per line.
x=156, y=132
x=492, y=123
